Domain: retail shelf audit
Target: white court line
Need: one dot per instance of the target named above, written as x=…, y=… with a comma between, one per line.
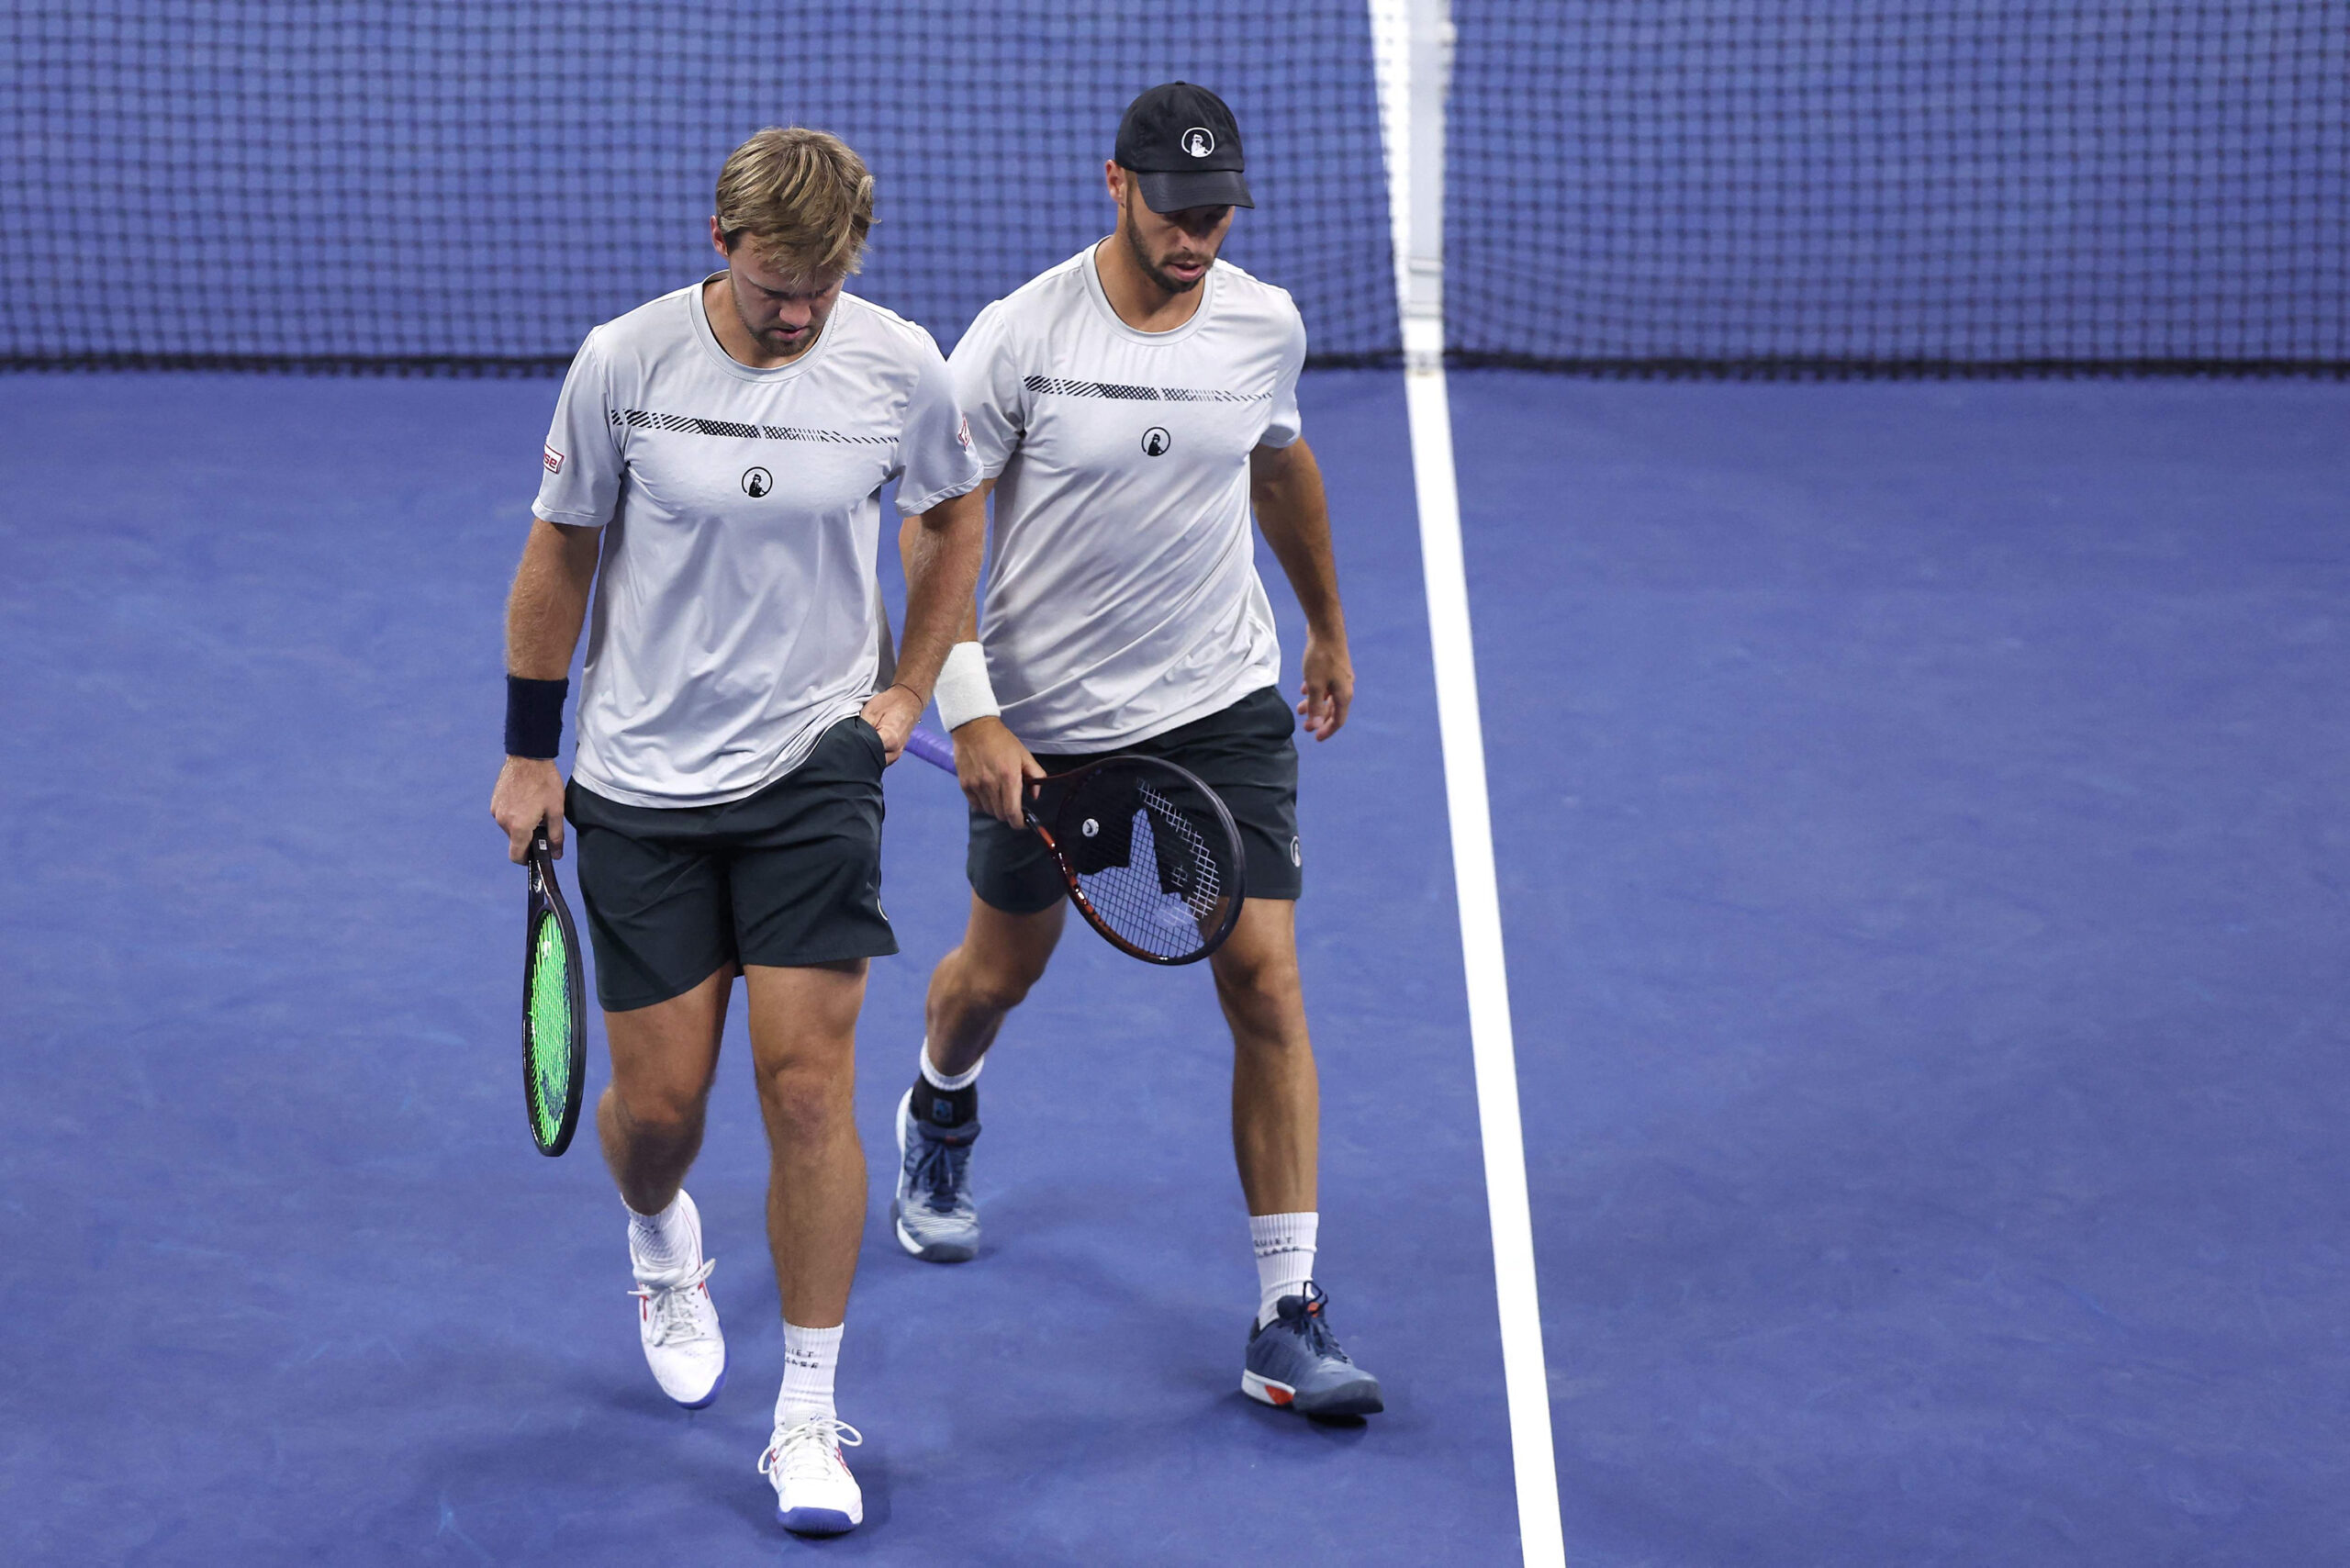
x=1411, y=46
x=1491, y=1043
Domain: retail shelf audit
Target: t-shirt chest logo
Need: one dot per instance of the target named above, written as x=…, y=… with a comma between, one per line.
x=756, y=482
x=1156, y=441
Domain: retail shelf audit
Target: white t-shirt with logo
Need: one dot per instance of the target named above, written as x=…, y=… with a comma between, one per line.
x=737, y=613
x=1122, y=596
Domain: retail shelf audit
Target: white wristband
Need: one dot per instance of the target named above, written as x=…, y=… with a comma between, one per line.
x=963, y=693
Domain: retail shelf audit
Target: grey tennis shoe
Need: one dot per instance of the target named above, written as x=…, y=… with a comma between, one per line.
x=1297, y=1363
x=933, y=1213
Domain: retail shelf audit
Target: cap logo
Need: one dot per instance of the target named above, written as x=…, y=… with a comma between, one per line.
x=1197, y=142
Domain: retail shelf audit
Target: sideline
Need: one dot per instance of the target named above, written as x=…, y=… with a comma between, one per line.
x=1411, y=42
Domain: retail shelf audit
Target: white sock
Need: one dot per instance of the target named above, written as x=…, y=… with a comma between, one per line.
x=948, y=1082
x=666, y=1246
x=1284, y=1245
x=809, y=1358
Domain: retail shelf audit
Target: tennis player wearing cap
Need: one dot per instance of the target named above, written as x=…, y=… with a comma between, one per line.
x=1128, y=408
x=714, y=469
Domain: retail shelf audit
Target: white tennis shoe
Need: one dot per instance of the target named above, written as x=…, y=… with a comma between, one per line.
x=814, y=1492
x=679, y=1324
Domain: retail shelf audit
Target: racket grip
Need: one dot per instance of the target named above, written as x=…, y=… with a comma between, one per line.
x=932, y=747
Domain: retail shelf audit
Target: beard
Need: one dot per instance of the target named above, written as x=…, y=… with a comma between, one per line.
x=1154, y=270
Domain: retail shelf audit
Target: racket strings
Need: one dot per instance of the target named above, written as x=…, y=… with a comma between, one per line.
x=1147, y=868
x=551, y=1025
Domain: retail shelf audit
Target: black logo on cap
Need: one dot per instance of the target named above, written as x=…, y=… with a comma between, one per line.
x=1199, y=142
x=756, y=482
x=1156, y=441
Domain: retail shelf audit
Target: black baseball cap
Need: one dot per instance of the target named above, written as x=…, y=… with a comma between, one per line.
x=1184, y=148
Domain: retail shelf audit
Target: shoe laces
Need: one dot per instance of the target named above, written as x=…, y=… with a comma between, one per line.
x=676, y=1316
x=807, y=1449
x=937, y=1173
x=1311, y=1326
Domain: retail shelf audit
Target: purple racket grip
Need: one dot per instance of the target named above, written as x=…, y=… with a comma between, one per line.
x=932, y=747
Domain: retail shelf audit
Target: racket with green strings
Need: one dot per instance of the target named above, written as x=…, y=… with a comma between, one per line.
x=554, y=1008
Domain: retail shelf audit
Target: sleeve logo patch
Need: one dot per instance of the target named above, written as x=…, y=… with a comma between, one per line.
x=554, y=460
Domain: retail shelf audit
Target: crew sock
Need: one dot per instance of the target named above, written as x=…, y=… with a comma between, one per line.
x=809, y=1358
x=1285, y=1245
x=663, y=1247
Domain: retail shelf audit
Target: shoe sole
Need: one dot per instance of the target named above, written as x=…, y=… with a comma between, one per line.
x=707, y=1400
x=930, y=1251
x=1361, y=1397
x=818, y=1521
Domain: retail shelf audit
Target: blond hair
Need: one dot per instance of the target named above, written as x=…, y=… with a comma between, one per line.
x=800, y=197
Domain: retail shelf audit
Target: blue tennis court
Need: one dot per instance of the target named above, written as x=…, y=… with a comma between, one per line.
x=1823, y=932
x=1917, y=818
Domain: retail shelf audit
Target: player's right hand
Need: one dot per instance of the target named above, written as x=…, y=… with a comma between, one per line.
x=995, y=769
x=529, y=791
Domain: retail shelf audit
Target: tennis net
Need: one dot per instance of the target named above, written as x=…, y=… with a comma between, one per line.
x=1901, y=187
x=1697, y=186
x=468, y=186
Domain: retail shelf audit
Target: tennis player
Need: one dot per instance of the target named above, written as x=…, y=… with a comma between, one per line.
x=1128, y=408
x=714, y=468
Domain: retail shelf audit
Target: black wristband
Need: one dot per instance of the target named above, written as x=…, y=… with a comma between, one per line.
x=534, y=716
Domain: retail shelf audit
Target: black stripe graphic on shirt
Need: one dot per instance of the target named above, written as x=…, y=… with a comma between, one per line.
x=1137, y=394
x=638, y=418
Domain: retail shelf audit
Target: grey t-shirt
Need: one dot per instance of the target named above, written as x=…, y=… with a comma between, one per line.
x=737, y=614
x=1122, y=598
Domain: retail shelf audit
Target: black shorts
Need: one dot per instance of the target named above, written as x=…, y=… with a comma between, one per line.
x=1245, y=753
x=791, y=876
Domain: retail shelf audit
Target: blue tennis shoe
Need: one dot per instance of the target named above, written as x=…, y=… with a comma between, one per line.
x=1297, y=1362
x=932, y=1211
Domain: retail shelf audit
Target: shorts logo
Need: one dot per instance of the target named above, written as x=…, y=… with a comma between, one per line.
x=1197, y=142
x=1156, y=441
x=1092, y=829
x=1296, y=855
x=756, y=482
x=553, y=459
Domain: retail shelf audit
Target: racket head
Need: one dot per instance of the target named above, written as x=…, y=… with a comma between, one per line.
x=554, y=1009
x=1151, y=856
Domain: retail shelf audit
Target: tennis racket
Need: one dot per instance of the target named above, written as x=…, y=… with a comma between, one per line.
x=1149, y=852
x=554, y=1009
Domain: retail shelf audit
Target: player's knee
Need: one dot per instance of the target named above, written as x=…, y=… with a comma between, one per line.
x=995, y=981
x=802, y=1097
x=662, y=1115
x=1258, y=980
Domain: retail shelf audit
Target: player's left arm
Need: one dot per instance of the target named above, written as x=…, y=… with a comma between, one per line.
x=942, y=548
x=1285, y=486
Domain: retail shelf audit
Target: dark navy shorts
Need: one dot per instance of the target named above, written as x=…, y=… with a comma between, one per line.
x=1247, y=753
x=789, y=877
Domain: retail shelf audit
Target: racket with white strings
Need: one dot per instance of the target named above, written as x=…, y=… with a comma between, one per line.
x=554, y=1008
x=1149, y=852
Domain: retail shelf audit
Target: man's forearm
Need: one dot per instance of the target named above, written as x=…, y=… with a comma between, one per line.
x=942, y=559
x=1294, y=515
x=548, y=603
